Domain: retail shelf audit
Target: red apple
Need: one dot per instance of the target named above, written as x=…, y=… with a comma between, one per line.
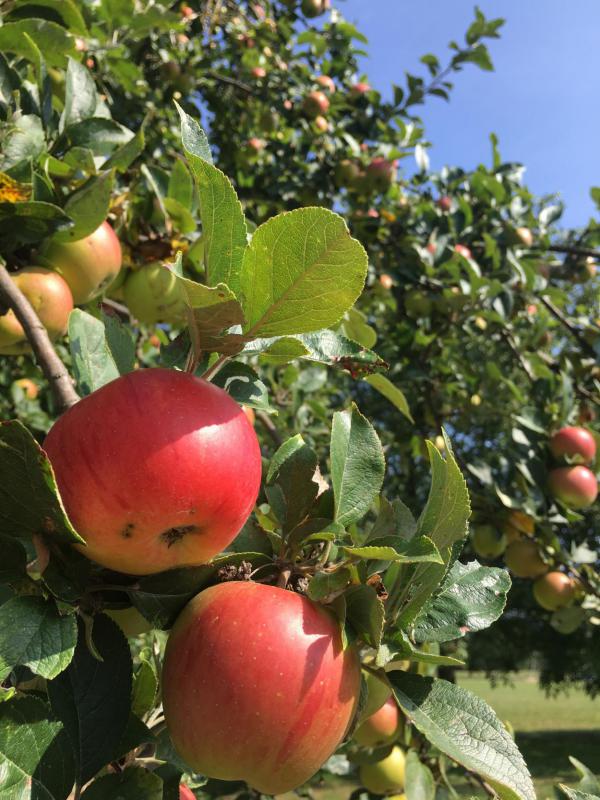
x=315, y=104
x=157, y=469
x=386, y=281
x=463, y=250
x=523, y=558
x=554, y=590
x=325, y=82
x=255, y=145
x=186, y=11
x=444, y=203
x=385, y=776
x=576, y=487
x=359, y=89
x=380, y=174
x=575, y=443
x=51, y=299
x=88, y=265
x=380, y=728
x=185, y=793
x=259, y=72
x=257, y=685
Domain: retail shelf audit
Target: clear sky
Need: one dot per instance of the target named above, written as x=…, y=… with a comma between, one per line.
x=543, y=100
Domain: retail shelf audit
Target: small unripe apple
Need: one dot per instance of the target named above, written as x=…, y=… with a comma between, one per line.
x=554, y=590
x=480, y=323
x=88, y=265
x=52, y=301
x=153, y=294
x=186, y=11
x=576, y=487
x=314, y=8
x=131, y=622
x=417, y=304
x=378, y=692
x=444, y=203
x=346, y=173
x=525, y=236
x=524, y=560
x=258, y=685
x=256, y=145
x=185, y=793
x=386, y=281
x=476, y=400
x=385, y=776
x=157, y=469
x=488, y=541
x=315, y=104
x=29, y=388
x=577, y=444
x=259, y=72
x=321, y=124
x=325, y=82
x=532, y=309
x=585, y=270
x=463, y=250
x=359, y=89
x=382, y=727
x=380, y=174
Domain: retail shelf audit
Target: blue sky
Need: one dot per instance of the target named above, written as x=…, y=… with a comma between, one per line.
x=543, y=100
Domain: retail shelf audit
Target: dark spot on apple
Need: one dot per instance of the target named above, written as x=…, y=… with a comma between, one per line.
x=174, y=535
x=127, y=531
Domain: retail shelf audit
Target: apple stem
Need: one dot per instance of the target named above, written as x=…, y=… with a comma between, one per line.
x=53, y=368
x=284, y=576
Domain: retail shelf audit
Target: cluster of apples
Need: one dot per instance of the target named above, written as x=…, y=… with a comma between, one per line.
x=575, y=484
x=74, y=273
x=375, y=177
x=258, y=684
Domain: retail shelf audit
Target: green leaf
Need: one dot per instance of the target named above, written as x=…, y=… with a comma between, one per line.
x=67, y=9
x=14, y=560
x=393, y=519
x=93, y=361
x=576, y=794
x=124, y=156
x=471, y=599
x=355, y=327
x=284, y=350
x=181, y=186
x=416, y=550
x=33, y=634
x=145, y=686
x=300, y=273
x=223, y=223
x=292, y=488
x=134, y=783
x=93, y=698
x=466, y=729
x=444, y=521
x=88, y=207
x=589, y=782
x=324, y=584
x=80, y=95
x=420, y=784
x=30, y=222
x=36, y=758
x=29, y=499
x=53, y=41
x=399, y=646
x=120, y=340
x=365, y=612
x=25, y=139
x=100, y=135
x=357, y=465
x=392, y=393
x=243, y=384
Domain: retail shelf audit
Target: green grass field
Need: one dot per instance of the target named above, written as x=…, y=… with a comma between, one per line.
x=548, y=730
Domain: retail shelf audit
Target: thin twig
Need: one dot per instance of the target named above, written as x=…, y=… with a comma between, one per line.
x=229, y=81
x=574, y=250
x=519, y=356
x=270, y=428
x=573, y=330
x=210, y=373
x=53, y=368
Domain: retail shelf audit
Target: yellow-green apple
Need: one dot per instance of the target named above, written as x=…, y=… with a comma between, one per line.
x=575, y=443
x=585, y=270
x=321, y=124
x=554, y=590
x=385, y=776
x=525, y=236
x=153, y=294
x=52, y=301
x=258, y=685
x=157, y=469
x=88, y=265
x=315, y=104
x=576, y=487
x=314, y=8
x=488, y=541
x=524, y=560
x=131, y=622
x=346, y=173
x=325, y=82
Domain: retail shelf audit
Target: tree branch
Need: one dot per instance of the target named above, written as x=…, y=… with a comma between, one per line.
x=229, y=81
x=573, y=330
x=519, y=356
x=574, y=250
x=53, y=368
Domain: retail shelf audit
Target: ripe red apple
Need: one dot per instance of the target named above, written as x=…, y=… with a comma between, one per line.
x=88, y=265
x=576, y=487
x=29, y=388
x=315, y=104
x=185, y=793
x=554, y=590
x=575, y=443
x=325, y=82
x=385, y=776
x=257, y=685
x=525, y=236
x=346, y=173
x=157, y=469
x=463, y=250
x=382, y=727
x=152, y=294
x=488, y=541
x=444, y=203
x=380, y=174
x=51, y=299
x=359, y=89
x=386, y=281
x=259, y=72
x=523, y=558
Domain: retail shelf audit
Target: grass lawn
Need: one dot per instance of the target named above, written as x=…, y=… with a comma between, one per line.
x=548, y=731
